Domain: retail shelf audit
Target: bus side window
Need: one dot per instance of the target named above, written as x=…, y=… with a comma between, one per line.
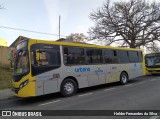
x=89, y=54
x=41, y=58
x=110, y=56
x=98, y=56
x=67, y=56
x=140, y=56
x=133, y=56
x=73, y=55
x=123, y=56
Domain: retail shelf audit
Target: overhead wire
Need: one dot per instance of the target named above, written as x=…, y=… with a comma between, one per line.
x=18, y=29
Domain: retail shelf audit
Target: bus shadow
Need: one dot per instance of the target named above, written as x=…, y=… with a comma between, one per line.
x=57, y=96
x=38, y=99
x=154, y=75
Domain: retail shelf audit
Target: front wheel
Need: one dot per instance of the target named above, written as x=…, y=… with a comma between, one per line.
x=123, y=78
x=68, y=87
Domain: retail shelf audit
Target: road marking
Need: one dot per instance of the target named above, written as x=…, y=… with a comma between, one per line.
x=153, y=80
x=85, y=94
x=141, y=82
x=109, y=89
x=128, y=85
x=49, y=102
x=154, y=117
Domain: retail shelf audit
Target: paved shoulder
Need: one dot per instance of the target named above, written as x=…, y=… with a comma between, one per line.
x=6, y=94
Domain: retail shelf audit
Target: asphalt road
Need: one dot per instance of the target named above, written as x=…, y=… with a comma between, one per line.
x=142, y=93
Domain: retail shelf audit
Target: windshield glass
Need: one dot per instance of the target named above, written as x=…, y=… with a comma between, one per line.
x=21, y=63
x=153, y=61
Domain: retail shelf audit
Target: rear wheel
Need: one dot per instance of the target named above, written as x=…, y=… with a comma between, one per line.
x=68, y=87
x=123, y=78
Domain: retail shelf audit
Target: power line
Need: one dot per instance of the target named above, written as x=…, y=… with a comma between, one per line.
x=30, y=31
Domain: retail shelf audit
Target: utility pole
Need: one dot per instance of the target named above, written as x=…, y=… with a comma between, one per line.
x=59, y=26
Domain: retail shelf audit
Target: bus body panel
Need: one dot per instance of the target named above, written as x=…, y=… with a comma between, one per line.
x=46, y=83
x=153, y=70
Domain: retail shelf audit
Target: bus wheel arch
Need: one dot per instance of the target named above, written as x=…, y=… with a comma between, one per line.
x=124, y=77
x=69, y=86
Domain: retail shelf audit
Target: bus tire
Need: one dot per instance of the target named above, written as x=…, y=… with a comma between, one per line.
x=68, y=87
x=123, y=78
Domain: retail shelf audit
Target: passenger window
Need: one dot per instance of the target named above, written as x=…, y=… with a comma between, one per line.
x=110, y=56
x=133, y=56
x=41, y=58
x=73, y=56
x=90, y=54
x=140, y=56
x=123, y=56
x=47, y=58
x=94, y=56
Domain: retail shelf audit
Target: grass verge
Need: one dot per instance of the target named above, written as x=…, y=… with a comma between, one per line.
x=5, y=77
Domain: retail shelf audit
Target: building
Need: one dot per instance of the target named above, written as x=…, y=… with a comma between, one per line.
x=70, y=40
x=4, y=52
x=15, y=43
x=64, y=40
x=4, y=55
x=13, y=46
x=3, y=42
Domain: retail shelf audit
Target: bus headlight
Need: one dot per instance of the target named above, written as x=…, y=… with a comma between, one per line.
x=23, y=84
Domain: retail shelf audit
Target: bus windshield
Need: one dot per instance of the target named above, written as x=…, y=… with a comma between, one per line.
x=21, y=63
x=153, y=61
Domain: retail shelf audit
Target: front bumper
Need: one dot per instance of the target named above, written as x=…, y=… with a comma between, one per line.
x=26, y=91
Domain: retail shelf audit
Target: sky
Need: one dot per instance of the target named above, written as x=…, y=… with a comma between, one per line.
x=43, y=16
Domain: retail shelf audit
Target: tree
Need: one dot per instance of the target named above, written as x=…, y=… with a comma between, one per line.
x=134, y=23
x=153, y=47
x=76, y=37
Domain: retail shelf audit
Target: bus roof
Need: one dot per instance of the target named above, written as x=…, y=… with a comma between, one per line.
x=82, y=44
x=152, y=54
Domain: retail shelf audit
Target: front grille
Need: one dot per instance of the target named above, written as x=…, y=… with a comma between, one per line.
x=154, y=71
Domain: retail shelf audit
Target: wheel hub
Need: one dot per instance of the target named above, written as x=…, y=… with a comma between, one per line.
x=68, y=88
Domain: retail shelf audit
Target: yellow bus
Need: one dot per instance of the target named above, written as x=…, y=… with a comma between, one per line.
x=152, y=61
x=44, y=67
